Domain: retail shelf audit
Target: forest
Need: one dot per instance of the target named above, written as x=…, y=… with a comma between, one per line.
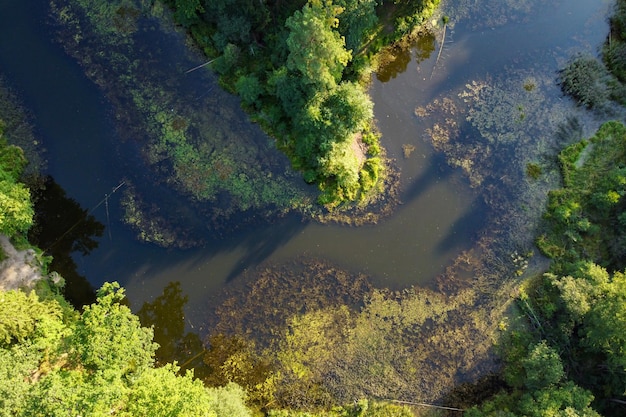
x=301, y=69
x=351, y=349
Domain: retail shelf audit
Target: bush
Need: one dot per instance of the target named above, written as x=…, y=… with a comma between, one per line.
x=587, y=81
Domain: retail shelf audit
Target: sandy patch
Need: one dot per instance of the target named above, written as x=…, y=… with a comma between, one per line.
x=359, y=148
x=20, y=269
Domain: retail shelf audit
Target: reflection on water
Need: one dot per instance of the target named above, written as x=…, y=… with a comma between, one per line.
x=395, y=59
x=62, y=228
x=166, y=314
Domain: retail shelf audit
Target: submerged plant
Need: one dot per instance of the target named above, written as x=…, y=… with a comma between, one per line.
x=533, y=170
x=407, y=150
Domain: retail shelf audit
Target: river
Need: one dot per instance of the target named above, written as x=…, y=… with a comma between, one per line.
x=441, y=214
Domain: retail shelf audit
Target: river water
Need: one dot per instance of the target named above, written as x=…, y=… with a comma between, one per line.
x=441, y=214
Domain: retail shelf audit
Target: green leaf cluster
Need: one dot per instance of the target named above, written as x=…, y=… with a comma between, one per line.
x=361, y=408
x=298, y=67
x=16, y=211
x=572, y=360
x=593, y=84
x=583, y=219
x=614, y=49
x=587, y=81
x=58, y=362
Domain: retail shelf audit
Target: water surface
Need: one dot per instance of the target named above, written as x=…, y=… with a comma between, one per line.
x=440, y=215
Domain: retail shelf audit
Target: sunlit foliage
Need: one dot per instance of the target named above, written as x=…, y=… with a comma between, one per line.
x=58, y=362
x=298, y=68
x=16, y=211
x=584, y=216
x=572, y=359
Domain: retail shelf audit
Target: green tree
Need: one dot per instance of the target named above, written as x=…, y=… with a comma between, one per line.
x=357, y=21
x=597, y=302
x=109, y=339
x=341, y=166
x=316, y=50
x=31, y=335
x=567, y=400
x=160, y=392
x=187, y=11
x=543, y=367
x=55, y=362
x=249, y=89
x=338, y=114
x=16, y=211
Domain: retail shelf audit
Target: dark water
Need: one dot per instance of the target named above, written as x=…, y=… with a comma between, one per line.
x=440, y=216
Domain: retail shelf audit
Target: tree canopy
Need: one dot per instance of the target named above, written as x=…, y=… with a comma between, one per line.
x=16, y=211
x=300, y=68
x=55, y=361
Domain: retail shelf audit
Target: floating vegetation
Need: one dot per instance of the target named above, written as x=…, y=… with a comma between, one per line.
x=326, y=329
x=506, y=116
x=303, y=285
x=533, y=170
x=188, y=134
x=506, y=112
x=407, y=150
x=498, y=131
x=150, y=224
x=493, y=13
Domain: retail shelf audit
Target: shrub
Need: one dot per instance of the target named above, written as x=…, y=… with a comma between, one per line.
x=587, y=81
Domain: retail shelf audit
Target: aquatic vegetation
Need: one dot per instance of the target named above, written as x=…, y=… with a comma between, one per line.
x=191, y=136
x=588, y=82
x=491, y=14
x=326, y=329
x=192, y=141
x=533, y=170
x=480, y=129
x=509, y=119
x=508, y=112
x=407, y=150
x=297, y=286
x=204, y=161
x=150, y=226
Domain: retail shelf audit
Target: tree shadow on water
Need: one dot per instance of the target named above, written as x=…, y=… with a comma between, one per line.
x=260, y=244
x=465, y=228
x=166, y=313
x=432, y=175
x=62, y=228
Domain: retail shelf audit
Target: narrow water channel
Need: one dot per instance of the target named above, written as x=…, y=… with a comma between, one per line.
x=440, y=215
